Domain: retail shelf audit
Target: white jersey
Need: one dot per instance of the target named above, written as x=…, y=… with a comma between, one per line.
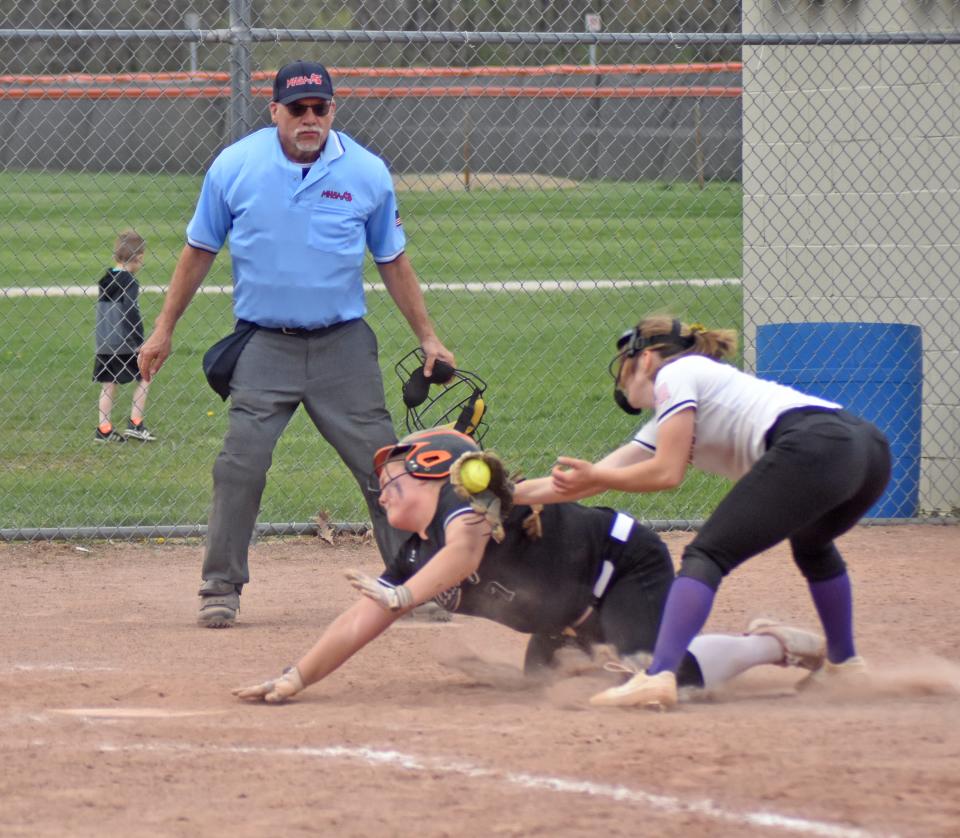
x=734, y=411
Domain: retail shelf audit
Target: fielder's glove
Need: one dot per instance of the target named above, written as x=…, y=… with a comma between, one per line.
x=493, y=502
x=276, y=691
x=390, y=599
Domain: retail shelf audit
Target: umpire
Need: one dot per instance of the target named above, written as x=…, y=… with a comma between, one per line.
x=300, y=203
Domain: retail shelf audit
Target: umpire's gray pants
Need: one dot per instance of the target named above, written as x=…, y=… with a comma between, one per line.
x=335, y=375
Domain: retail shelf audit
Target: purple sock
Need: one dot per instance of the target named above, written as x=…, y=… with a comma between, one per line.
x=834, y=604
x=688, y=606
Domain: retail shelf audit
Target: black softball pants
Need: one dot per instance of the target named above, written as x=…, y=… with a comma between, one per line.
x=821, y=473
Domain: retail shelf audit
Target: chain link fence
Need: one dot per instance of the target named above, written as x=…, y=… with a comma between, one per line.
x=789, y=170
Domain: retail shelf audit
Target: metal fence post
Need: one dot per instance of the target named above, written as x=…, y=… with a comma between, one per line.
x=192, y=21
x=241, y=100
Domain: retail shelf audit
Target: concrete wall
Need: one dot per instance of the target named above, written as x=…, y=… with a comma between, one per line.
x=620, y=139
x=851, y=207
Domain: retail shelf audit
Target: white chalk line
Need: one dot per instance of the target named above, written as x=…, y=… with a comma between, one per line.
x=57, y=667
x=617, y=793
x=113, y=713
x=524, y=286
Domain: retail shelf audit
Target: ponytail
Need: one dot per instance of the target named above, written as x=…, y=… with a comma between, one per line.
x=670, y=338
x=714, y=343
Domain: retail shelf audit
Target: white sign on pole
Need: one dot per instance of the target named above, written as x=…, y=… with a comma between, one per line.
x=592, y=23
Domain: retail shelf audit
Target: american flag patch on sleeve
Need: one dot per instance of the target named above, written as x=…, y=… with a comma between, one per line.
x=396, y=216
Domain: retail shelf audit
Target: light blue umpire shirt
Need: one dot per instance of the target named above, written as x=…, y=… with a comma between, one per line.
x=297, y=242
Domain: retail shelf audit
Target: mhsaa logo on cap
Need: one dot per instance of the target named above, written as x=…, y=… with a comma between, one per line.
x=313, y=78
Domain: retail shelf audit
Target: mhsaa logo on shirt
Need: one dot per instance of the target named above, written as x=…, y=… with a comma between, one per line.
x=336, y=196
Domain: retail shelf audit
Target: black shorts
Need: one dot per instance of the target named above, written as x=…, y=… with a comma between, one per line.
x=116, y=369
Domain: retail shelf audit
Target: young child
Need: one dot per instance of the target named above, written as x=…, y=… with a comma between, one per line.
x=119, y=334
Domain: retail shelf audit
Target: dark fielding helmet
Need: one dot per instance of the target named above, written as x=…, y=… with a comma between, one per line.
x=426, y=454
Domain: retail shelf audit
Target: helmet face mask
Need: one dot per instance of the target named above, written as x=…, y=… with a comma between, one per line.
x=627, y=345
x=630, y=344
x=457, y=403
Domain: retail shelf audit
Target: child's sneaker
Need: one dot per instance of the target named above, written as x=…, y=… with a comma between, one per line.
x=110, y=435
x=139, y=432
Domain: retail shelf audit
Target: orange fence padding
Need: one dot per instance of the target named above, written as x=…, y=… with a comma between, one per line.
x=391, y=73
x=210, y=85
x=509, y=91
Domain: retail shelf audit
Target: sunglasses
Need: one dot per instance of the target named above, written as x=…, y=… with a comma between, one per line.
x=298, y=109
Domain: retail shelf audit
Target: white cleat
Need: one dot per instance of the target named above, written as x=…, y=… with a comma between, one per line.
x=655, y=692
x=800, y=647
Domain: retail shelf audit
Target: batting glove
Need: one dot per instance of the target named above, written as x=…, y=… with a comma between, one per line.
x=276, y=691
x=390, y=599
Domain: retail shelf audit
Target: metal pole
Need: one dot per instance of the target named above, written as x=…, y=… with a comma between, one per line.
x=466, y=144
x=241, y=101
x=192, y=21
x=200, y=530
x=593, y=24
x=698, y=143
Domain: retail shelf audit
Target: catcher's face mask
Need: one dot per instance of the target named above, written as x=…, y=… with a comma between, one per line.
x=625, y=352
x=458, y=404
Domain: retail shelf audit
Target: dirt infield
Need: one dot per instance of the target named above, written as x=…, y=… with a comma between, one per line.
x=117, y=717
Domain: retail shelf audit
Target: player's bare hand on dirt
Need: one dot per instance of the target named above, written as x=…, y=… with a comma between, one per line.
x=571, y=475
x=390, y=599
x=275, y=691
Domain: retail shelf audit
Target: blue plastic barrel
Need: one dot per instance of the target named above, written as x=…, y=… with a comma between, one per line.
x=874, y=370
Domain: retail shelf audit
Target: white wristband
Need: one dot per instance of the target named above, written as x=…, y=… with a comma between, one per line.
x=404, y=598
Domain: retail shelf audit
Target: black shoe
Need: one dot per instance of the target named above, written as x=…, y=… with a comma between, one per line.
x=139, y=432
x=109, y=436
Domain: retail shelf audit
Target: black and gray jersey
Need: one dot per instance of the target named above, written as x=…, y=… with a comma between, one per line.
x=119, y=325
x=531, y=586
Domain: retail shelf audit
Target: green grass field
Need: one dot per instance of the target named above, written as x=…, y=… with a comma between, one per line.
x=544, y=355
x=59, y=229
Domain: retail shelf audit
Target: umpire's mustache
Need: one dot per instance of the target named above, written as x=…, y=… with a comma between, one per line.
x=308, y=143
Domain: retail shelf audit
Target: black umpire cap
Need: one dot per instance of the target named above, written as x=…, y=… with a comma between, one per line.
x=302, y=80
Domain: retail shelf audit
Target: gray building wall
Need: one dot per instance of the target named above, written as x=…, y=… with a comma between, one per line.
x=618, y=139
x=851, y=206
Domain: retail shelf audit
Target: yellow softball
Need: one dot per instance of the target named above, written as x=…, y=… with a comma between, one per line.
x=475, y=475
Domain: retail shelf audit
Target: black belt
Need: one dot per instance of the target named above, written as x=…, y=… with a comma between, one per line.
x=297, y=331
x=620, y=530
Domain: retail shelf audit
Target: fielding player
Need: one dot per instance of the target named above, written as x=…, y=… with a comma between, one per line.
x=571, y=574
x=806, y=471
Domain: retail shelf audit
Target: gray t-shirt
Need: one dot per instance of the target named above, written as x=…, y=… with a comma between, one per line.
x=119, y=328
